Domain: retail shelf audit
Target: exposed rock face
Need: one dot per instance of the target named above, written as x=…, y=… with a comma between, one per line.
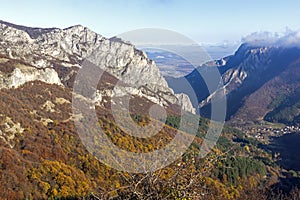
x=23, y=74
x=185, y=102
x=10, y=130
x=252, y=69
x=132, y=67
x=65, y=45
x=247, y=61
x=252, y=78
x=44, y=48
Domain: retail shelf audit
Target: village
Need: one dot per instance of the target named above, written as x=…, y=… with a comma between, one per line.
x=263, y=133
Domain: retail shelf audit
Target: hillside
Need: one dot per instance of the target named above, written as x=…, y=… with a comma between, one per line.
x=259, y=80
x=43, y=155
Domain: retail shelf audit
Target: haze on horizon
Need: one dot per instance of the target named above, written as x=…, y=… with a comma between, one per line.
x=212, y=22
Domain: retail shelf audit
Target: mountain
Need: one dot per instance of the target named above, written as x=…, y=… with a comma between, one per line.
x=42, y=155
x=254, y=78
x=54, y=55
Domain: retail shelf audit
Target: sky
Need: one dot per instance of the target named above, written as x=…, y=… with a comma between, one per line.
x=204, y=21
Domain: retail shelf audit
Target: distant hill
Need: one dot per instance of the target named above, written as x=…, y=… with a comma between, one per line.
x=173, y=65
x=261, y=82
x=44, y=156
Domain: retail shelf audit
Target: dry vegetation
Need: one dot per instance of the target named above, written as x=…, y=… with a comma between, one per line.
x=49, y=160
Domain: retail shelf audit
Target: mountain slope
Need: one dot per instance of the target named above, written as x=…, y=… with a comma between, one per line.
x=42, y=155
x=252, y=77
x=270, y=98
x=64, y=50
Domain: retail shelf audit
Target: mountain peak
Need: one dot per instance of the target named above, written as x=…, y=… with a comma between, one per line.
x=66, y=49
x=32, y=32
x=76, y=26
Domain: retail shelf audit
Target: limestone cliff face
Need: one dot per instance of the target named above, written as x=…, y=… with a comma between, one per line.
x=21, y=75
x=185, y=103
x=42, y=48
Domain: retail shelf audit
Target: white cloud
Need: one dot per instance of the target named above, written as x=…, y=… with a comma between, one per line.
x=261, y=38
x=288, y=39
x=292, y=39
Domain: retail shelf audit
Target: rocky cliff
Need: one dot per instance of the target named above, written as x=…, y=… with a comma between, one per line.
x=254, y=77
x=46, y=50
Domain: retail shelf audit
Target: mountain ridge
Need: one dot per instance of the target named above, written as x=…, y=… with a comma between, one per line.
x=67, y=48
x=42, y=155
x=250, y=69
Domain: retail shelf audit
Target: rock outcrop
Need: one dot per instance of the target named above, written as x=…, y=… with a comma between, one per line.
x=185, y=103
x=23, y=74
x=45, y=48
x=252, y=78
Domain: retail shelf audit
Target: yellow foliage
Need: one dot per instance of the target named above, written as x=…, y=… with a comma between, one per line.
x=54, y=192
x=117, y=185
x=247, y=149
x=69, y=181
x=45, y=186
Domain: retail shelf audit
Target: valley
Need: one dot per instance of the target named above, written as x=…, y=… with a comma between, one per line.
x=52, y=80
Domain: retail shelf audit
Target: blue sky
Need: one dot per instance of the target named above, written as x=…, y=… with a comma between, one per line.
x=205, y=21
